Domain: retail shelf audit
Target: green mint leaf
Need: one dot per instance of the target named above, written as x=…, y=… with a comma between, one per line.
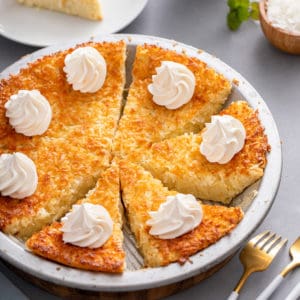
x=254, y=14
x=240, y=11
x=244, y=3
x=243, y=13
x=233, y=20
x=233, y=3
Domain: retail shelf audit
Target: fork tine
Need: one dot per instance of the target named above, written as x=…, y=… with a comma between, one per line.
x=255, y=258
x=274, y=241
x=263, y=243
x=276, y=249
x=257, y=238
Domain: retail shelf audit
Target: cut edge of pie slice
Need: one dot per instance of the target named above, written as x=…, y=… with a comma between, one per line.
x=144, y=122
x=142, y=193
x=49, y=243
x=89, y=9
x=178, y=163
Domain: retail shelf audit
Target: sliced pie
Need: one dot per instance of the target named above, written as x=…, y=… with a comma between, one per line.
x=75, y=149
x=144, y=122
x=142, y=193
x=178, y=163
x=90, y=9
x=157, y=150
x=110, y=257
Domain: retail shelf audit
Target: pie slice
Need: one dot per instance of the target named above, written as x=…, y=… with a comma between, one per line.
x=110, y=257
x=75, y=149
x=142, y=193
x=89, y=9
x=144, y=122
x=178, y=163
x=72, y=111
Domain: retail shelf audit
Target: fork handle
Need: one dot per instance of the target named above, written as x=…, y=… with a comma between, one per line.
x=270, y=288
x=233, y=296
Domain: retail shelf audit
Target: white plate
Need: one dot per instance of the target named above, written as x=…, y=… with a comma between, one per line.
x=137, y=279
x=41, y=27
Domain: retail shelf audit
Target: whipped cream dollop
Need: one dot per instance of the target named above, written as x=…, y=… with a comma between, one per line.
x=18, y=176
x=87, y=225
x=223, y=137
x=173, y=85
x=29, y=112
x=86, y=69
x=178, y=215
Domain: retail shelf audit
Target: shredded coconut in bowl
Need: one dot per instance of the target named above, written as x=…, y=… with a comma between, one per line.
x=285, y=14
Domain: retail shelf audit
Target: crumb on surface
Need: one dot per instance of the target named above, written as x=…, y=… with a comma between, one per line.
x=236, y=82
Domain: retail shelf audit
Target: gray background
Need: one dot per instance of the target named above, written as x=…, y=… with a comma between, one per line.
x=275, y=75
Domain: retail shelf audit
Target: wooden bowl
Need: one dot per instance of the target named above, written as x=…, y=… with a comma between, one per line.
x=280, y=38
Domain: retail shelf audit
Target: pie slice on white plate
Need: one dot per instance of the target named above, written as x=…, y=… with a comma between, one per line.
x=89, y=9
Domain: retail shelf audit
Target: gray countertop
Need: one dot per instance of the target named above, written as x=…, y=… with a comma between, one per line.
x=275, y=75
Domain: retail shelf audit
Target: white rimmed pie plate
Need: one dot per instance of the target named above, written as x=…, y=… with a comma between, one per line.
x=135, y=278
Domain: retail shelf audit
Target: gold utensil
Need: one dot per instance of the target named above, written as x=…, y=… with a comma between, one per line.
x=295, y=254
x=257, y=255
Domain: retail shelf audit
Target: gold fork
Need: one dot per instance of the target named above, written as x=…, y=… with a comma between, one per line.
x=295, y=254
x=257, y=255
